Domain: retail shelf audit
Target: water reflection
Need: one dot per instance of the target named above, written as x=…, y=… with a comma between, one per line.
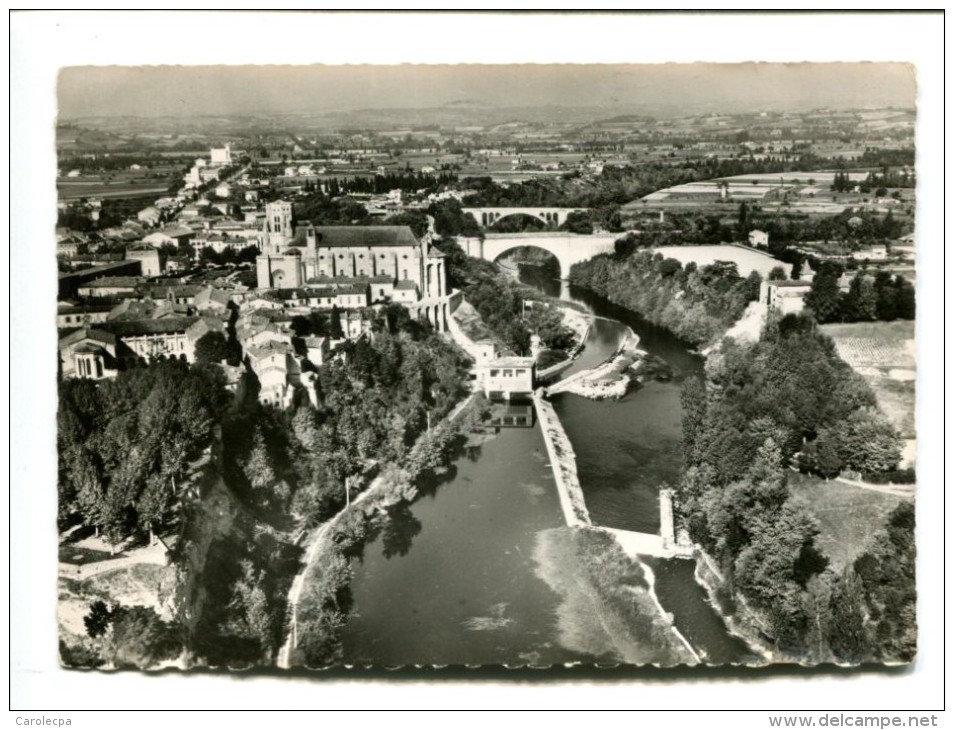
x=400, y=529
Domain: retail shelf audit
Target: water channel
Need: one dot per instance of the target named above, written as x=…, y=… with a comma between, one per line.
x=483, y=577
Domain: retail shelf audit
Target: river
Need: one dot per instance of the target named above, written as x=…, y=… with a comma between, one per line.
x=483, y=574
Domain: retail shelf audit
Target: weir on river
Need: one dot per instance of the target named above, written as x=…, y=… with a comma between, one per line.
x=573, y=503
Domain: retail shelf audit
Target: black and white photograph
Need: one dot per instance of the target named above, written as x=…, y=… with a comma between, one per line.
x=480, y=365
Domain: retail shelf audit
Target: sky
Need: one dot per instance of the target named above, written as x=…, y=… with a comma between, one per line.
x=201, y=90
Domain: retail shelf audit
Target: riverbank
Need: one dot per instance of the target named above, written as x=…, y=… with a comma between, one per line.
x=581, y=324
x=739, y=619
x=318, y=605
x=611, y=379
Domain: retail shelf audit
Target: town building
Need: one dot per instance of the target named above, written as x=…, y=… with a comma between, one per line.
x=153, y=339
x=149, y=216
x=221, y=155
x=784, y=297
x=758, y=239
x=69, y=315
x=148, y=256
x=70, y=282
x=173, y=236
x=503, y=376
x=292, y=257
x=88, y=353
x=110, y=286
x=317, y=350
x=277, y=371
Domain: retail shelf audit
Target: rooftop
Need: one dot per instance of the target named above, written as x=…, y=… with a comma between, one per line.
x=88, y=333
x=512, y=362
x=149, y=326
x=791, y=284
x=357, y=236
x=113, y=281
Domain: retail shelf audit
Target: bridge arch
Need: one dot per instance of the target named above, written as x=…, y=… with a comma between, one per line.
x=568, y=248
x=564, y=271
x=487, y=216
x=493, y=219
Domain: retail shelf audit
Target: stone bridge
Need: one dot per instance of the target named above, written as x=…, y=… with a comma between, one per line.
x=555, y=217
x=569, y=248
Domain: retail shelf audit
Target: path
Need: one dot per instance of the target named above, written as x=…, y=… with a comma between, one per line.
x=318, y=538
x=897, y=490
x=294, y=594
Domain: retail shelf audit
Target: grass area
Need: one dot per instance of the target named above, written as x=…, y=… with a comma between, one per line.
x=748, y=259
x=136, y=585
x=848, y=516
x=81, y=555
x=883, y=353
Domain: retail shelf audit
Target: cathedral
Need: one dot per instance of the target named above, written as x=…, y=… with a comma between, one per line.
x=294, y=257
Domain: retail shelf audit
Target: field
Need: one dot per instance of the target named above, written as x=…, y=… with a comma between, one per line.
x=747, y=259
x=75, y=191
x=884, y=353
x=848, y=516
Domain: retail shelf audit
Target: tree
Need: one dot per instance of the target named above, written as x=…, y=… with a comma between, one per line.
x=668, y=267
x=754, y=284
x=777, y=274
x=578, y=221
x=886, y=306
x=904, y=298
x=334, y=327
x=98, y=620
x=823, y=298
x=847, y=637
x=796, y=268
x=866, y=441
x=211, y=347
x=141, y=638
x=828, y=461
x=860, y=304
x=259, y=469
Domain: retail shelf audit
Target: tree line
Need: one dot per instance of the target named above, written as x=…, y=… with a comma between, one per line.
x=878, y=295
x=695, y=303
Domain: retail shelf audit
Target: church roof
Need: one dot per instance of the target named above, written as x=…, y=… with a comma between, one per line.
x=357, y=236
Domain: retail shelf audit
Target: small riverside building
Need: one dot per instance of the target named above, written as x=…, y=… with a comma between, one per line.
x=503, y=376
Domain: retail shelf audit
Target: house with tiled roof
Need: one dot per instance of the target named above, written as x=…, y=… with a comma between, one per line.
x=151, y=339
x=277, y=371
x=81, y=315
x=107, y=286
x=212, y=299
x=88, y=353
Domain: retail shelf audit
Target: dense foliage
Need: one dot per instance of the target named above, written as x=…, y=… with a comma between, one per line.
x=371, y=409
x=123, y=443
x=871, y=296
x=325, y=210
x=500, y=301
x=787, y=397
x=696, y=303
